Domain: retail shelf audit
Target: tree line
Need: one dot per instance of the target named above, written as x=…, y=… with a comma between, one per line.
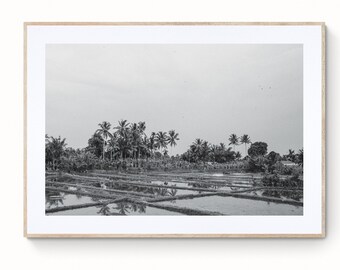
x=126, y=140
x=129, y=141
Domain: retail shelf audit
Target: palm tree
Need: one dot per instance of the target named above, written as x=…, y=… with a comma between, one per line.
x=144, y=147
x=173, y=137
x=196, y=148
x=245, y=139
x=161, y=140
x=222, y=146
x=205, y=150
x=233, y=139
x=104, y=131
x=214, y=151
x=238, y=155
x=113, y=145
x=124, y=137
x=152, y=143
x=122, y=127
x=291, y=155
x=197, y=145
x=165, y=153
x=141, y=127
x=135, y=138
x=47, y=139
x=299, y=157
x=55, y=148
x=141, y=132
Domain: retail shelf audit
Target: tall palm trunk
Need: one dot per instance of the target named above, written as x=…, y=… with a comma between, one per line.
x=103, y=149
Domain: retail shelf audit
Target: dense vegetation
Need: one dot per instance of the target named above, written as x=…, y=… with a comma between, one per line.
x=127, y=145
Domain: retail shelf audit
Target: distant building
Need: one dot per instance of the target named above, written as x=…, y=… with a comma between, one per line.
x=288, y=163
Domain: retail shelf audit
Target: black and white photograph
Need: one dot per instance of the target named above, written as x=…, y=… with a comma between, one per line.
x=174, y=129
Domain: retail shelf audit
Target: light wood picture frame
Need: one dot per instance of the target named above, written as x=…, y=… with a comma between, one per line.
x=54, y=49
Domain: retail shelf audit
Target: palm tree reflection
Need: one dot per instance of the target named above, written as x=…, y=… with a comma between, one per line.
x=54, y=199
x=172, y=192
x=293, y=195
x=140, y=208
x=104, y=210
x=122, y=208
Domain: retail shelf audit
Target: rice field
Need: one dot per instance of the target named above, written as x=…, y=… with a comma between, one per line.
x=110, y=193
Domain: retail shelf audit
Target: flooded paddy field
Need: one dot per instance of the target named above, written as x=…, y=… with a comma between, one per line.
x=237, y=206
x=112, y=194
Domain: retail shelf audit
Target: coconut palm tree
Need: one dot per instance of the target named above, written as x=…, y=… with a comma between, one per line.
x=162, y=140
x=222, y=146
x=197, y=145
x=125, y=143
x=55, y=149
x=173, y=137
x=124, y=137
x=196, y=148
x=233, y=140
x=144, y=147
x=291, y=155
x=135, y=138
x=214, y=151
x=152, y=143
x=238, y=155
x=122, y=127
x=113, y=145
x=299, y=157
x=228, y=154
x=141, y=138
x=245, y=139
x=47, y=139
x=104, y=131
x=141, y=127
x=205, y=150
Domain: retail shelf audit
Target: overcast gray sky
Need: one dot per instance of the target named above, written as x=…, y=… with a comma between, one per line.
x=202, y=91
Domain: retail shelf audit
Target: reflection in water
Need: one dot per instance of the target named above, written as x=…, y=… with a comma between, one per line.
x=158, y=191
x=172, y=192
x=234, y=205
x=121, y=208
x=140, y=208
x=54, y=199
x=205, y=185
x=296, y=196
x=105, y=210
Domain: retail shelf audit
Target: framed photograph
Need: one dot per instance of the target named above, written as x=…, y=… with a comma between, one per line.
x=174, y=130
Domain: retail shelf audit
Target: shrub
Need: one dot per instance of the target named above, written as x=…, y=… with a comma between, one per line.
x=273, y=180
x=270, y=180
x=254, y=165
x=285, y=170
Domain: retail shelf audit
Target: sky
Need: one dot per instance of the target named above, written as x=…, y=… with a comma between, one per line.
x=206, y=91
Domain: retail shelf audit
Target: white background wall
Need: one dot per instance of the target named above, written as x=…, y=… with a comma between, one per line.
x=18, y=252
